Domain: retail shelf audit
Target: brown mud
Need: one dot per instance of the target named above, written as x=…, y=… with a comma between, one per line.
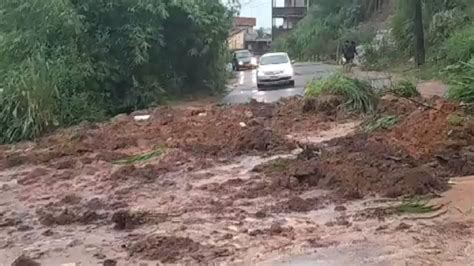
x=234, y=185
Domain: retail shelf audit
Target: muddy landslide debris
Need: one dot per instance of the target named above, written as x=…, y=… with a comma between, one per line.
x=168, y=249
x=25, y=261
x=77, y=167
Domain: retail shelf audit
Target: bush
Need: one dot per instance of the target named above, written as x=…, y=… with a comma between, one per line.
x=462, y=82
x=91, y=59
x=459, y=47
x=384, y=122
x=359, y=96
x=405, y=88
x=378, y=55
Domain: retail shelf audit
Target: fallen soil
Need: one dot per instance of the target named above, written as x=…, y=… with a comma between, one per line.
x=417, y=157
x=232, y=185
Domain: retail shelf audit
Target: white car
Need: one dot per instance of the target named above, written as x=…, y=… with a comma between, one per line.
x=275, y=69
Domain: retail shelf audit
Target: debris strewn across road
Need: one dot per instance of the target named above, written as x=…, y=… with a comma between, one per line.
x=207, y=183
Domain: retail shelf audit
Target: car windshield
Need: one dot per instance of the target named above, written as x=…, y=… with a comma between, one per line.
x=274, y=60
x=243, y=54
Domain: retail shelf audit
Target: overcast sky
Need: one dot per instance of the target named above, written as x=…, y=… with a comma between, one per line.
x=260, y=9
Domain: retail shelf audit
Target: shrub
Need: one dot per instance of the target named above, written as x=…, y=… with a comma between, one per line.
x=459, y=47
x=359, y=96
x=378, y=55
x=91, y=59
x=405, y=88
x=384, y=122
x=462, y=82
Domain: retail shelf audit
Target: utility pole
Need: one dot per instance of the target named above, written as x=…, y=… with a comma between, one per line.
x=273, y=30
x=420, y=55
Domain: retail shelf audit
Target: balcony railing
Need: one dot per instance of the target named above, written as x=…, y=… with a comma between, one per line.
x=285, y=12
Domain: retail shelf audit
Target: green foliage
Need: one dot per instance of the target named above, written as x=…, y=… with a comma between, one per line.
x=459, y=47
x=328, y=24
x=66, y=61
x=279, y=165
x=141, y=158
x=379, y=55
x=441, y=18
x=358, y=94
x=462, y=82
x=455, y=120
x=459, y=51
x=384, y=122
x=405, y=88
x=417, y=207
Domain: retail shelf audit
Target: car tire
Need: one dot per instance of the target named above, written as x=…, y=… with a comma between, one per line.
x=292, y=83
x=259, y=86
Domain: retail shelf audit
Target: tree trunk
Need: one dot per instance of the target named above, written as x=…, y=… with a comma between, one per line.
x=419, y=33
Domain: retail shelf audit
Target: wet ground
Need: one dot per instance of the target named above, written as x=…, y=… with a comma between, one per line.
x=251, y=184
x=245, y=87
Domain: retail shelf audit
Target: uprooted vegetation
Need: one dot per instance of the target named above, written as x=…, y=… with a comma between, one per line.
x=358, y=95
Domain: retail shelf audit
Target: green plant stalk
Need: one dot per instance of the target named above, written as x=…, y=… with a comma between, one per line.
x=417, y=207
x=141, y=158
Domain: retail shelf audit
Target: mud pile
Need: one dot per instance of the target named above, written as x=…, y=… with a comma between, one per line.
x=208, y=130
x=168, y=249
x=415, y=158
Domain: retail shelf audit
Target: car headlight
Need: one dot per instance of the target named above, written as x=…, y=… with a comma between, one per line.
x=241, y=63
x=289, y=71
x=260, y=74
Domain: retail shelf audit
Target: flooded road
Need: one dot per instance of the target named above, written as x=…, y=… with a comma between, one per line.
x=245, y=87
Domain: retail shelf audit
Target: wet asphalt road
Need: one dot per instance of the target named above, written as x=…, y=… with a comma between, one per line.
x=245, y=87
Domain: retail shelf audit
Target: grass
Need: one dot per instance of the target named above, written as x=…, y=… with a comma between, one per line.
x=384, y=122
x=358, y=94
x=415, y=206
x=279, y=165
x=406, y=89
x=455, y=120
x=141, y=158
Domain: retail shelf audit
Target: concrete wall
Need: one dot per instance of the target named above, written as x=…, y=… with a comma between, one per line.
x=237, y=41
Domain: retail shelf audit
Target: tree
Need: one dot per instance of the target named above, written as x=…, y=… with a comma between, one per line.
x=419, y=33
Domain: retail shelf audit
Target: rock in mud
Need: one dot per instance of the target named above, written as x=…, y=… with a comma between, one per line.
x=50, y=216
x=276, y=229
x=403, y=226
x=25, y=261
x=327, y=104
x=165, y=249
x=298, y=204
x=415, y=181
x=110, y=262
x=127, y=220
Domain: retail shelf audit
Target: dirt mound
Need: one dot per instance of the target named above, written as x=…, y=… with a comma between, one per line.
x=358, y=166
x=259, y=139
x=169, y=249
x=394, y=105
x=291, y=174
x=50, y=215
x=25, y=261
x=326, y=104
x=298, y=204
x=207, y=131
x=148, y=173
x=128, y=220
x=423, y=132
